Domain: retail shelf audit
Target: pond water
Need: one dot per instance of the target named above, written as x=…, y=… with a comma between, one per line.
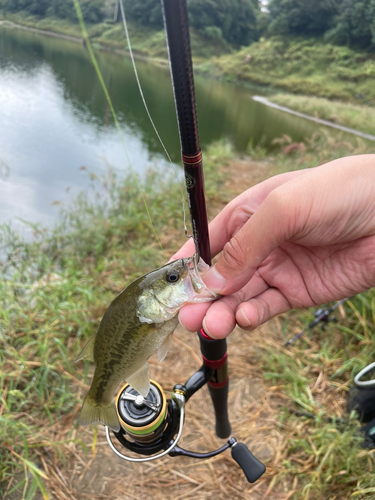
x=54, y=119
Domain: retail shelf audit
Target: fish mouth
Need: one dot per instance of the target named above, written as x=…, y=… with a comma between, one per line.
x=196, y=266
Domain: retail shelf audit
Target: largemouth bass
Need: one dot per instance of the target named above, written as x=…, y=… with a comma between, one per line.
x=139, y=322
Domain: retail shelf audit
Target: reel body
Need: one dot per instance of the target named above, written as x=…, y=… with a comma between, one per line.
x=149, y=425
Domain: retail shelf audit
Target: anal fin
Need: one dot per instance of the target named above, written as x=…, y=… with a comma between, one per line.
x=140, y=380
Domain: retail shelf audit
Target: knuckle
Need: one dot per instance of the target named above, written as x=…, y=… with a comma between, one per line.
x=264, y=313
x=239, y=217
x=279, y=199
x=233, y=255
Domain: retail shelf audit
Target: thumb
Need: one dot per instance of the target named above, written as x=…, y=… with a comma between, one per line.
x=266, y=229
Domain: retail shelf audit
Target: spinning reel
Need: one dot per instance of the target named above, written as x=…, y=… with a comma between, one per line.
x=152, y=426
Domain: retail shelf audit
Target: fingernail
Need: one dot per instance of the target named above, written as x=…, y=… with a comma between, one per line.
x=214, y=280
x=206, y=330
x=243, y=318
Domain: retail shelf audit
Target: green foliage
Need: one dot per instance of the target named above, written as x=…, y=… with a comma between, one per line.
x=302, y=17
x=345, y=22
x=93, y=10
x=236, y=21
x=355, y=24
x=147, y=12
x=303, y=66
x=34, y=7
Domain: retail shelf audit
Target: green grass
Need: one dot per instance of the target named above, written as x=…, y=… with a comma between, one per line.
x=303, y=66
x=54, y=291
x=322, y=459
x=350, y=115
x=59, y=26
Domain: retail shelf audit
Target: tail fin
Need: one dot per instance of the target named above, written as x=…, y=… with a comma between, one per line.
x=92, y=412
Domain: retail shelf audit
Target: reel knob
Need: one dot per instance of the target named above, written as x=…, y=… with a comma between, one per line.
x=143, y=419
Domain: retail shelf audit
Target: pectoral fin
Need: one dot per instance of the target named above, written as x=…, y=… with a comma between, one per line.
x=88, y=351
x=140, y=380
x=163, y=351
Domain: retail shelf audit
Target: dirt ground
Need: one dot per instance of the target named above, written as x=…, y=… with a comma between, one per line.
x=100, y=474
x=253, y=407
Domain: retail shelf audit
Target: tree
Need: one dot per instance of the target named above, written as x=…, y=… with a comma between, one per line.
x=355, y=24
x=237, y=19
x=146, y=12
x=234, y=20
x=92, y=10
x=302, y=17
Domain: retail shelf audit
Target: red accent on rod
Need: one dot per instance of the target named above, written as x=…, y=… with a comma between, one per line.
x=218, y=385
x=192, y=160
x=205, y=335
x=215, y=365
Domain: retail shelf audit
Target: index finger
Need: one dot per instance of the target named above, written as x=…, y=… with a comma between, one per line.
x=235, y=215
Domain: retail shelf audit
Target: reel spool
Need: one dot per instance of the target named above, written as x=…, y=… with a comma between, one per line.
x=143, y=419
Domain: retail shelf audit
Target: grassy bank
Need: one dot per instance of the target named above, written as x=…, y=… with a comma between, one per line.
x=145, y=41
x=322, y=456
x=334, y=83
x=55, y=290
x=305, y=66
x=299, y=66
x=350, y=115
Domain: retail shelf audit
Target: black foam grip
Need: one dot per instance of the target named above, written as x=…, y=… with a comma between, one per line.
x=219, y=400
x=212, y=349
x=251, y=466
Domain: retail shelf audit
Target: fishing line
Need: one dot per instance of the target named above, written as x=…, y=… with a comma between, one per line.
x=147, y=110
x=98, y=72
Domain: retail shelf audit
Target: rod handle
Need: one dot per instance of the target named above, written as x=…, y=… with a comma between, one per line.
x=219, y=398
x=251, y=466
x=214, y=353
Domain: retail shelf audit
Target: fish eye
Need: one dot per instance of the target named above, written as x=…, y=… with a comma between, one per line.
x=172, y=277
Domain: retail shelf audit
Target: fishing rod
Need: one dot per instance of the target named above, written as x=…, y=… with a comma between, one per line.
x=322, y=316
x=149, y=425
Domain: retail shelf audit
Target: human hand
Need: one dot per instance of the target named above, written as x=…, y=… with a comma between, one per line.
x=296, y=240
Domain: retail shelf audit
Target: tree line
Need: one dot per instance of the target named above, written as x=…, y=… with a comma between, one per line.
x=239, y=22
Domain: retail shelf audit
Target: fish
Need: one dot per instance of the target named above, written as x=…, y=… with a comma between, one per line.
x=139, y=322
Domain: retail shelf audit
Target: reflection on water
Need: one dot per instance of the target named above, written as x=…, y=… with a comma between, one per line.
x=54, y=118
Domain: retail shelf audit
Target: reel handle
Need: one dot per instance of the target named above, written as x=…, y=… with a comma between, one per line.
x=251, y=466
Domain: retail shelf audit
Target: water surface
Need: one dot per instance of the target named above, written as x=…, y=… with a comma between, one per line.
x=54, y=119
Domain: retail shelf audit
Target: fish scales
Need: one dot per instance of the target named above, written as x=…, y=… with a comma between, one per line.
x=138, y=323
